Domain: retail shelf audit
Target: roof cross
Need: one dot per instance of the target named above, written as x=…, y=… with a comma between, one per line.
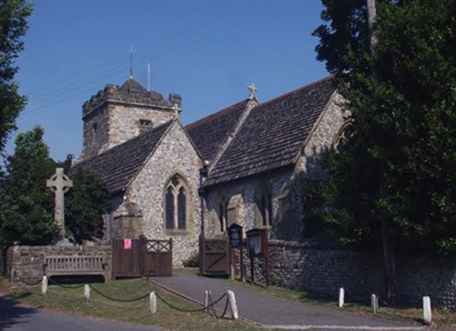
x=252, y=91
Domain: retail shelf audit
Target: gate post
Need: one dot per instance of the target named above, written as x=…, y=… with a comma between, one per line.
x=171, y=256
x=142, y=244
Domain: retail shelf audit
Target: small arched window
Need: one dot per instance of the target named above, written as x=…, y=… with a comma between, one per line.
x=264, y=204
x=176, y=204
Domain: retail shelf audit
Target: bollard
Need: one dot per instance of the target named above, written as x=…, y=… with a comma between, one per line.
x=341, y=297
x=44, y=285
x=206, y=300
x=427, y=312
x=153, y=302
x=374, y=303
x=233, y=304
x=87, y=292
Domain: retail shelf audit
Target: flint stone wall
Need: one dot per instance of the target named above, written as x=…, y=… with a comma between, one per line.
x=321, y=270
x=25, y=264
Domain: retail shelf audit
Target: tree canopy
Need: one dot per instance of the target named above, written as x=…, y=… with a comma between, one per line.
x=13, y=25
x=85, y=205
x=27, y=205
x=395, y=167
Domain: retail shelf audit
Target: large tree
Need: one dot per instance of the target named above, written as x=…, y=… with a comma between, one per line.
x=85, y=205
x=13, y=25
x=392, y=185
x=26, y=205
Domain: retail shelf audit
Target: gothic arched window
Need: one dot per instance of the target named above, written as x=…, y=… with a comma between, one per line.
x=176, y=204
x=181, y=208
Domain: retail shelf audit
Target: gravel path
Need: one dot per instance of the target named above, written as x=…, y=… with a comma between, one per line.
x=273, y=311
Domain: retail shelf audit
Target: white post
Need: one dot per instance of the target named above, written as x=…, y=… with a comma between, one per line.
x=233, y=304
x=87, y=292
x=206, y=299
x=44, y=285
x=153, y=302
x=374, y=303
x=341, y=297
x=427, y=312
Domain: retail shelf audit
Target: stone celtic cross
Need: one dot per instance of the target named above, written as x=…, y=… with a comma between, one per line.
x=59, y=184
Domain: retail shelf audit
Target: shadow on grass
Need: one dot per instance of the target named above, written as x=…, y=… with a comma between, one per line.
x=11, y=312
x=84, y=279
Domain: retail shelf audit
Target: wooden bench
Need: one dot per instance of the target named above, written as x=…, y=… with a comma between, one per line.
x=61, y=265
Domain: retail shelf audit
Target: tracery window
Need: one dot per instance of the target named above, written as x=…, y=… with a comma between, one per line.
x=176, y=204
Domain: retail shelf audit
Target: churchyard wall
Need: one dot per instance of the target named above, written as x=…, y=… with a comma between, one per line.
x=25, y=264
x=321, y=270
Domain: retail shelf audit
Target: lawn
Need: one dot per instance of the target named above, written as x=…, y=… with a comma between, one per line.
x=72, y=300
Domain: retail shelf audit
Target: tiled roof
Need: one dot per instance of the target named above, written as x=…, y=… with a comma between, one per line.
x=209, y=134
x=118, y=165
x=273, y=133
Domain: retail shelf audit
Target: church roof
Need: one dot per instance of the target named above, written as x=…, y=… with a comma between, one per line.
x=210, y=133
x=119, y=164
x=273, y=133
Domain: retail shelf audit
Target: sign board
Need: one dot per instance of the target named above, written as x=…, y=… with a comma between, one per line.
x=127, y=243
x=257, y=242
x=235, y=235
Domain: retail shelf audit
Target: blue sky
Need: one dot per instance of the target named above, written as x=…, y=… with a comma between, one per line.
x=206, y=51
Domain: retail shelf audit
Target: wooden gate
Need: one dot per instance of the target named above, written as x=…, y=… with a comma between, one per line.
x=158, y=258
x=141, y=257
x=215, y=257
x=127, y=261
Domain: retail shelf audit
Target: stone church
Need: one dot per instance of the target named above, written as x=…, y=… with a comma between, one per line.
x=237, y=165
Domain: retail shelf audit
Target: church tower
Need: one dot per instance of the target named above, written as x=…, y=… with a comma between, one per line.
x=119, y=113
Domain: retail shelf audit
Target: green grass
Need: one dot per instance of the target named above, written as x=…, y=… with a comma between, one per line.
x=72, y=300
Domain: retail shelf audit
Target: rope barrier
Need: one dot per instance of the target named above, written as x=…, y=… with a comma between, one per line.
x=210, y=308
x=190, y=310
x=115, y=299
x=213, y=311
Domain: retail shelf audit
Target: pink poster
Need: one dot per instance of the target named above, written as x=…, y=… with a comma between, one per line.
x=127, y=243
